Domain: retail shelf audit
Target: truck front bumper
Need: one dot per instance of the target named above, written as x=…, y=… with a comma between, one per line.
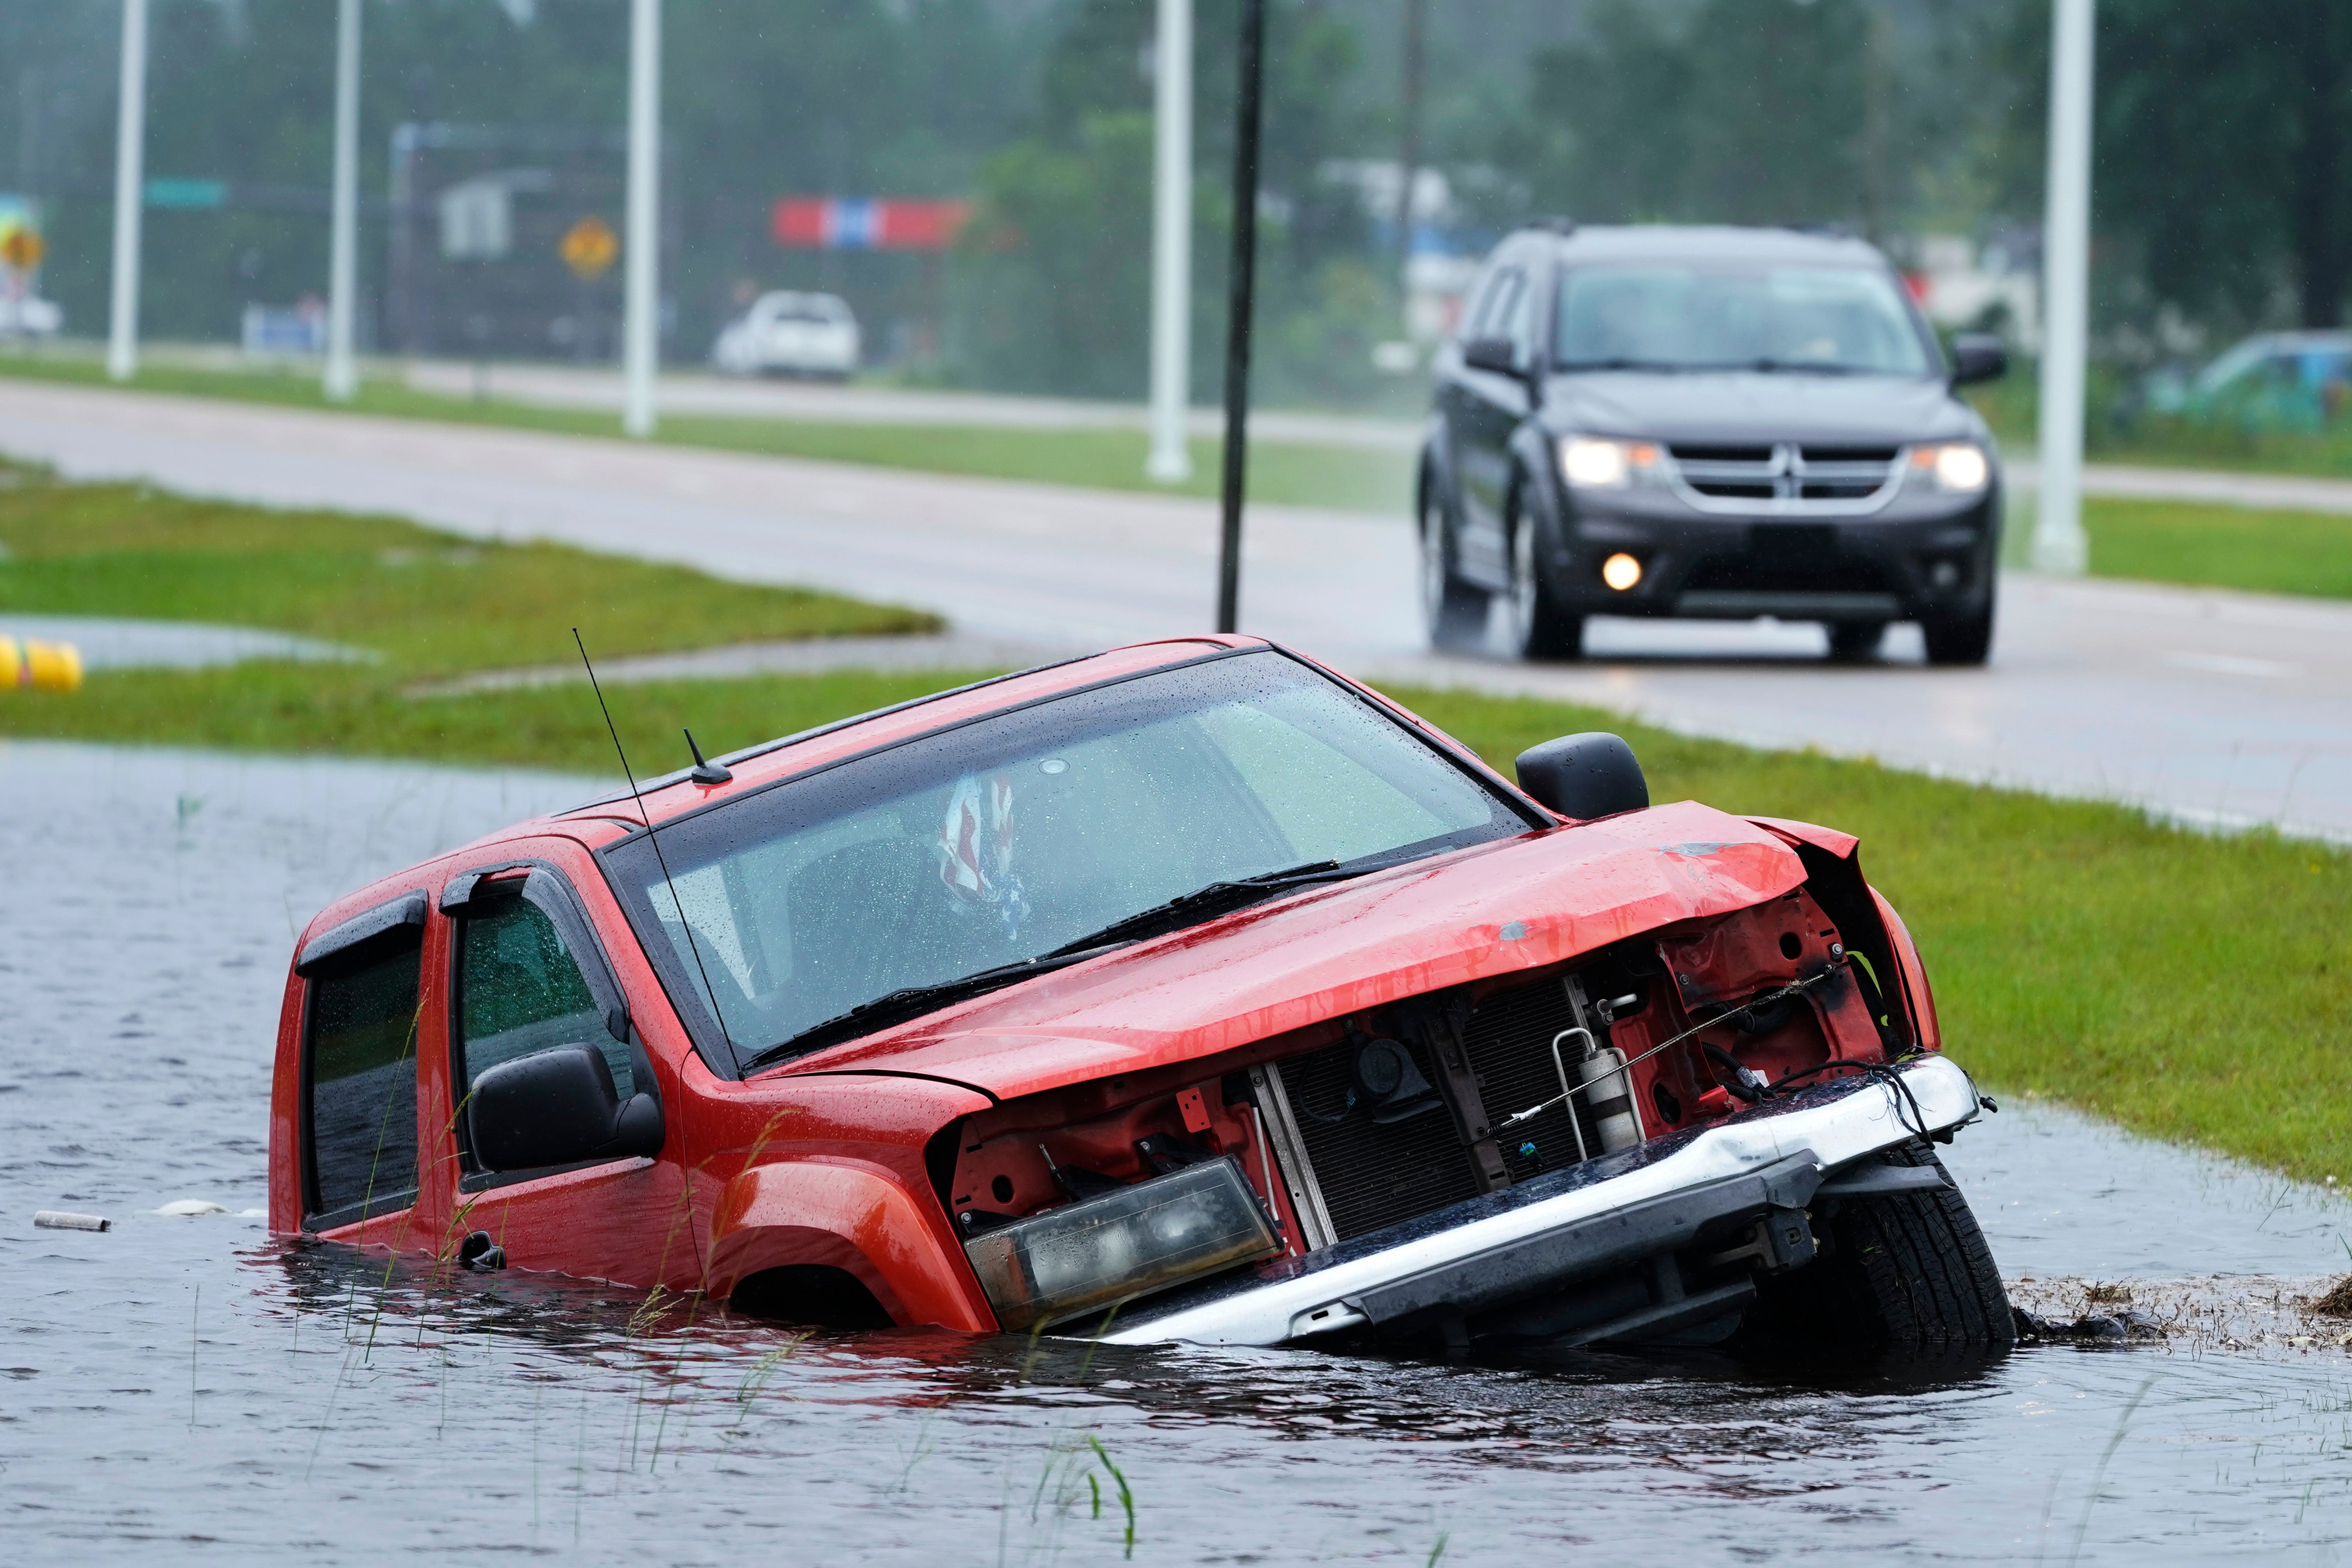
x=1518, y=1262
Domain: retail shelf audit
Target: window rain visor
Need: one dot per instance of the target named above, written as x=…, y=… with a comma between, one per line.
x=1656, y=316
x=1003, y=839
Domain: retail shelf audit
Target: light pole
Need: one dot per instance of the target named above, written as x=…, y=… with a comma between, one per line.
x=342, y=266
x=1170, y=461
x=130, y=189
x=641, y=288
x=2059, y=545
x=1241, y=290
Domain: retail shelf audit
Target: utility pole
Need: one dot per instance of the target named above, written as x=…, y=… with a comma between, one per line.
x=1416, y=19
x=129, y=190
x=1878, y=88
x=2059, y=545
x=641, y=253
x=1170, y=461
x=342, y=266
x=1240, y=286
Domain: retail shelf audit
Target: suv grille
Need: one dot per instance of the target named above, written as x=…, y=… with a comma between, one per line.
x=1785, y=477
x=1371, y=1175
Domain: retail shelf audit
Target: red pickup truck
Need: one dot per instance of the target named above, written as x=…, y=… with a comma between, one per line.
x=1188, y=991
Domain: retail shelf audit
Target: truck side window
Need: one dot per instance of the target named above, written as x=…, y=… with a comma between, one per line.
x=360, y=1055
x=520, y=989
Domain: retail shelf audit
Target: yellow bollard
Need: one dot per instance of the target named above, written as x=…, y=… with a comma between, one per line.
x=39, y=666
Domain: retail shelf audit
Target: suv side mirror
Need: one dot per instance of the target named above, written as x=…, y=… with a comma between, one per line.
x=1584, y=776
x=1978, y=356
x=1499, y=355
x=557, y=1107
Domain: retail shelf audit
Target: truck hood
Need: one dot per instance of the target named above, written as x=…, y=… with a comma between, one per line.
x=1493, y=909
x=1729, y=406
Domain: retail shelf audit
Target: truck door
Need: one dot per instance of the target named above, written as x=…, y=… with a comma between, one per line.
x=527, y=974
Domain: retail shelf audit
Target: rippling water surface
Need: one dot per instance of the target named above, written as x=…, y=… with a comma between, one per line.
x=181, y=1389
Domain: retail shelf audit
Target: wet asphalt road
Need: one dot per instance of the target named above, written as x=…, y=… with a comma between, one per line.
x=190, y=1390
x=2209, y=706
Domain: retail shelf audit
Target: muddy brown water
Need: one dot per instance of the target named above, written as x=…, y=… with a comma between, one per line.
x=190, y=1389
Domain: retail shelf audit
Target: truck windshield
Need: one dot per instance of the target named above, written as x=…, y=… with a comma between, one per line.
x=1660, y=316
x=1004, y=840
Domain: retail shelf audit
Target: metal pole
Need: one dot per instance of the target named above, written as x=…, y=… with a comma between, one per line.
x=1241, y=285
x=2059, y=545
x=130, y=189
x=343, y=267
x=640, y=325
x=1170, y=461
x=1416, y=16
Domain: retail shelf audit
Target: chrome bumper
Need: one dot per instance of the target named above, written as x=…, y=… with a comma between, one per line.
x=1766, y=1154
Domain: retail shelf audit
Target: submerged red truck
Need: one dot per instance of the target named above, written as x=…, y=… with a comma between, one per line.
x=1189, y=991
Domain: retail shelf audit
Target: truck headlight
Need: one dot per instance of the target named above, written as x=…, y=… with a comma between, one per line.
x=1070, y=1261
x=1599, y=463
x=1957, y=468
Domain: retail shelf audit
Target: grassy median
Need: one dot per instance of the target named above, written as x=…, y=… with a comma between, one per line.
x=1348, y=478
x=2189, y=986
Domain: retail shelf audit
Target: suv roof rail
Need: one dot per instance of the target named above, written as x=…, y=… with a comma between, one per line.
x=1559, y=224
x=1826, y=230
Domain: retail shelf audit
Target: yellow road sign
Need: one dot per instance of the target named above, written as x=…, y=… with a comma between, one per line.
x=589, y=247
x=21, y=248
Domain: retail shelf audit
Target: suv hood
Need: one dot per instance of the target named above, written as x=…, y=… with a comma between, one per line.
x=1493, y=909
x=1751, y=406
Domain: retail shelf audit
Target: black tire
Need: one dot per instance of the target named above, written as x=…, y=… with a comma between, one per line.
x=1851, y=641
x=1903, y=1277
x=1539, y=628
x=1454, y=611
x=1964, y=641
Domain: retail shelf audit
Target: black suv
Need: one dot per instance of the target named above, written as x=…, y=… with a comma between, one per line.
x=1725, y=422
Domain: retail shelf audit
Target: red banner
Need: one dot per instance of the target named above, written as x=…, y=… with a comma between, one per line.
x=863, y=222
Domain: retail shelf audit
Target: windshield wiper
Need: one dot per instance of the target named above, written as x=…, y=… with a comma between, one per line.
x=1800, y=367
x=914, y=1001
x=1570, y=366
x=1208, y=902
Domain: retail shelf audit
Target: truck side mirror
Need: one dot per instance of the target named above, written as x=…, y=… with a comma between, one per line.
x=557, y=1107
x=1584, y=776
x=1978, y=356
x=1499, y=355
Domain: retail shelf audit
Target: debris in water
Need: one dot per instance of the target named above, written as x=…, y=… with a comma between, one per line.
x=61, y=1219
x=2242, y=1313
x=188, y=1208
x=2337, y=1302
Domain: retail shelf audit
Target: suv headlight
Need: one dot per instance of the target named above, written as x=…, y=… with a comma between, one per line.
x=1603, y=463
x=1955, y=468
x=1146, y=1236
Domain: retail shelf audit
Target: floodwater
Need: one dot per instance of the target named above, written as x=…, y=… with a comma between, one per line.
x=189, y=1389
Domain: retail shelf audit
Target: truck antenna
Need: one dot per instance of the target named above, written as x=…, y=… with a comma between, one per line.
x=659, y=858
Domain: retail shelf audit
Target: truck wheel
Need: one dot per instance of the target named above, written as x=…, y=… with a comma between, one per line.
x=1454, y=611
x=1539, y=630
x=1967, y=640
x=1904, y=1276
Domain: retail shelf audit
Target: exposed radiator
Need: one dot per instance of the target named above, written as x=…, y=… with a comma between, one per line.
x=1370, y=1175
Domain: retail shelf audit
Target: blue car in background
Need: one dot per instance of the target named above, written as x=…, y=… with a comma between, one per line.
x=2273, y=381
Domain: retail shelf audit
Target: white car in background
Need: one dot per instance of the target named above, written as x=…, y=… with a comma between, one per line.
x=788, y=333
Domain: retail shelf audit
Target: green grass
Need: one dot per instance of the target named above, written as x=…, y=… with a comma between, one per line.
x=1347, y=479
x=2189, y=986
x=2220, y=546
x=428, y=603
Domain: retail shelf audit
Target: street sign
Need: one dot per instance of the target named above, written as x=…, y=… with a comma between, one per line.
x=21, y=248
x=588, y=248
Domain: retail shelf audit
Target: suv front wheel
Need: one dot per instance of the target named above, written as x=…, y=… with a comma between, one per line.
x=1539, y=628
x=1963, y=639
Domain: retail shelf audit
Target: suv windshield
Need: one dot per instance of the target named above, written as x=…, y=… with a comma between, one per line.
x=1011, y=837
x=1662, y=316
